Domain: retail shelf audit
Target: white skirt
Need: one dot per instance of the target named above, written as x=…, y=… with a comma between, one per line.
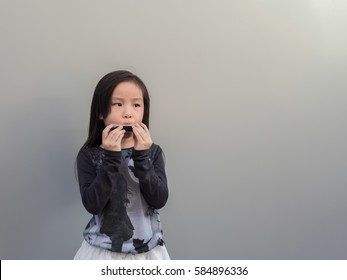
x=89, y=252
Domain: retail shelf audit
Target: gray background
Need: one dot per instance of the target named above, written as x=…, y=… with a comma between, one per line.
x=248, y=103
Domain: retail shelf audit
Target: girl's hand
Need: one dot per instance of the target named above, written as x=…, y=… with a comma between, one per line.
x=143, y=140
x=112, y=139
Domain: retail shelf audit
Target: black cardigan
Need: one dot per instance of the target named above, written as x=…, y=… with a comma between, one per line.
x=98, y=176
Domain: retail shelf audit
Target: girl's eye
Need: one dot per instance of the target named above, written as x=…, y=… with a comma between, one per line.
x=117, y=104
x=137, y=105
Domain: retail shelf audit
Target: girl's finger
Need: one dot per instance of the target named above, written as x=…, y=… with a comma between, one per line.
x=138, y=133
x=142, y=128
x=143, y=137
x=115, y=128
x=106, y=131
x=142, y=125
x=107, y=128
x=119, y=137
x=114, y=134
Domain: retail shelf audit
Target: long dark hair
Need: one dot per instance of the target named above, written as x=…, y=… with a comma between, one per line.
x=101, y=103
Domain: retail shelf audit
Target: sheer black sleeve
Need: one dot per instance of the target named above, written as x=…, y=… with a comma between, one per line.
x=150, y=169
x=96, y=184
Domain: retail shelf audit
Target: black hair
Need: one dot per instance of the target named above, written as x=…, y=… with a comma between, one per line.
x=101, y=103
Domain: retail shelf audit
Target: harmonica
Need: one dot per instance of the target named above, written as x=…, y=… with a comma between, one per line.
x=127, y=128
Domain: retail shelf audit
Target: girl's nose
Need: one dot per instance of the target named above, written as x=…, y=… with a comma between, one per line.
x=127, y=113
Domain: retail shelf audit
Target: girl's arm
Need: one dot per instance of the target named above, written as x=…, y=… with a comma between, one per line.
x=150, y=169
x=96, y=185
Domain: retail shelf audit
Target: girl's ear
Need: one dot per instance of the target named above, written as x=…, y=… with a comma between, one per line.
x=101, y=117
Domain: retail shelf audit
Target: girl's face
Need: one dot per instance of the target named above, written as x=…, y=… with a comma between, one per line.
x=127, y=106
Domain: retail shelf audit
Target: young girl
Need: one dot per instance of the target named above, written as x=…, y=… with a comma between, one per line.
x=121, y=174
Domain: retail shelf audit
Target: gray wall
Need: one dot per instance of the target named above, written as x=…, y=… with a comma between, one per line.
x=248, y=103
